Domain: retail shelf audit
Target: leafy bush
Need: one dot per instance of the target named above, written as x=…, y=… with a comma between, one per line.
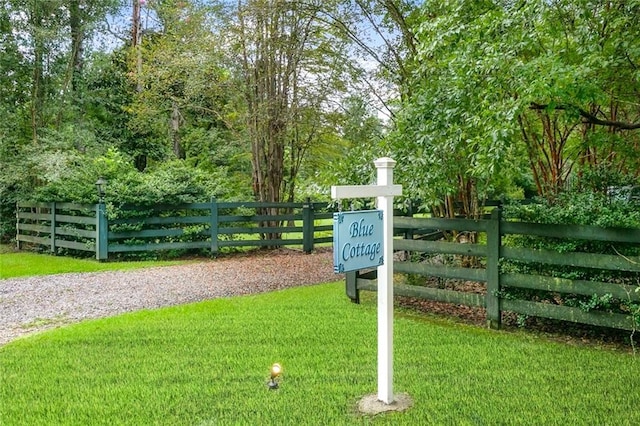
x=576, y=208
x=171, y=182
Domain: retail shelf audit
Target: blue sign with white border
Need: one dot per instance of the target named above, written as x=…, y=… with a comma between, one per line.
x=357, y=240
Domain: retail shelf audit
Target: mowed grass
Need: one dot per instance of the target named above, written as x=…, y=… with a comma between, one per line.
x=208, y=363
x=20, y=264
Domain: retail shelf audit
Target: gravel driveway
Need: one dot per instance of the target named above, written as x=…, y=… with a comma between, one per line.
x=34, y=304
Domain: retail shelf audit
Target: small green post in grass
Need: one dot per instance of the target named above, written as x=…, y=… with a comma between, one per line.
x=352, y=291
x=17, y=225
x=101, y=232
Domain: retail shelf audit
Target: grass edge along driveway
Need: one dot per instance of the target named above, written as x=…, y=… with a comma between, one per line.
x=23, y=264
x=207, y=363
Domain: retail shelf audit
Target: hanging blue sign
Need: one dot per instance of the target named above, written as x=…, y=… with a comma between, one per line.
x=357, y=240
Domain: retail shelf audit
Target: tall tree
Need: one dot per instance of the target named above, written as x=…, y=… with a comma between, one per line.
x=360, y=137
x=50, y=36
x=382, y=45
x=290, y=65
x=495, y=76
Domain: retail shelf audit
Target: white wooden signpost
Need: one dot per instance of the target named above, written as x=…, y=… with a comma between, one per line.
x=385, y=190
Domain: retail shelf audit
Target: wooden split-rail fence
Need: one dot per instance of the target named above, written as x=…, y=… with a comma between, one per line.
x=211, y=226
x=216, y=225
x=502, y=288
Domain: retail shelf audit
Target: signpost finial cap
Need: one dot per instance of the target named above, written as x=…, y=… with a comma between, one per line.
x=385, y=162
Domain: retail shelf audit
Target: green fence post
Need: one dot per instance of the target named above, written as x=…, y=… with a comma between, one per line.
x=307, y=226
x=52, y=208
x=102, y=232
x=494, y=242
x=351, y=278
x=213, y=226
x=408, y=234
x=17, y=226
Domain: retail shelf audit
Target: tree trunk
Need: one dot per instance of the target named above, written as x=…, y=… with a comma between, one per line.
x=267, y=96
x=174, y=129
x=37, y=91
x=546, y=143
x=77, y=43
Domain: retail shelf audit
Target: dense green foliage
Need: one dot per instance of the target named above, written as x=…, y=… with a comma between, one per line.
x=209, y=362
x=501, y=86
x=163, y=106
x=277, y=101
x=578, y=208
x=167, y=182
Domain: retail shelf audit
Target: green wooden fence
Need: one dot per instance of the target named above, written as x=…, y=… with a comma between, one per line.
x=212, y=226
x=216, y=225
x=57, y=225
x=492, y=253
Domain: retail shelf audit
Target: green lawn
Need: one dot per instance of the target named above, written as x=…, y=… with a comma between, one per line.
x=19, y=264
x=207, y=363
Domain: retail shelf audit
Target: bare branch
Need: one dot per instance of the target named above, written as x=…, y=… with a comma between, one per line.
x=588, y=117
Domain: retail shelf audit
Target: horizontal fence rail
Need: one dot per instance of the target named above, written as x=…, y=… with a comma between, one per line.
x=210, y=226
x=57, y=225
x=493, y=259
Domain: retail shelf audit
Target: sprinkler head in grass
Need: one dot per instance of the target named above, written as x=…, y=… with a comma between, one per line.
x=276, y=370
